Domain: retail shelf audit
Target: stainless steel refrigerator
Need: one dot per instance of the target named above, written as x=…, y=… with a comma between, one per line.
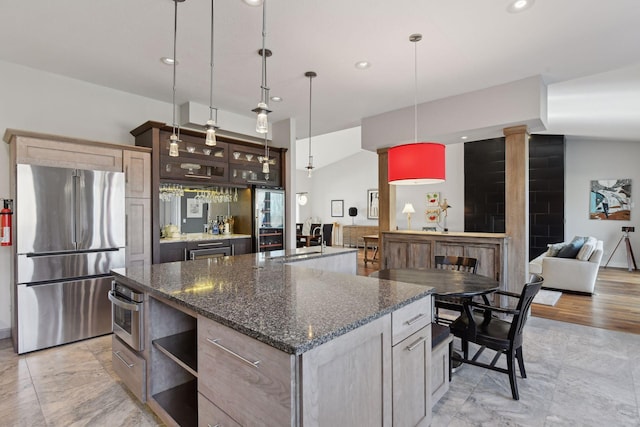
x=269, y=219
x=70, y=232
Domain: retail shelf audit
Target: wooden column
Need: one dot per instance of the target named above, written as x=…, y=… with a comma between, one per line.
x=517, y=205
x=386, y=197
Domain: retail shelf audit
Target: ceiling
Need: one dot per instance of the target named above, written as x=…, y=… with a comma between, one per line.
x=586, y=50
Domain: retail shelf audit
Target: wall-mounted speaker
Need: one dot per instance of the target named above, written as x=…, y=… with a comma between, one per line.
x=353, y=211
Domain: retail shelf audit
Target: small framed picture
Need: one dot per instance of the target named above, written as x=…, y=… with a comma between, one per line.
x=337, y=208
x=372, y=204
x=194, y=209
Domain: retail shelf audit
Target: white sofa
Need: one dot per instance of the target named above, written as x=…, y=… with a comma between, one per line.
x=569, y=273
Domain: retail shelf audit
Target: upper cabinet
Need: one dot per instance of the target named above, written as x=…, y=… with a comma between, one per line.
x=246, y=166
x=137, y=173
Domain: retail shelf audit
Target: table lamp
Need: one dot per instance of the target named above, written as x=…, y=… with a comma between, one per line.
x=408, y=209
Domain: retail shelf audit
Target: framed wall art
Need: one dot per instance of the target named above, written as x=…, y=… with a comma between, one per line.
x=337, y=208
x=610, y=199
x=372, y=204
x=194, y=208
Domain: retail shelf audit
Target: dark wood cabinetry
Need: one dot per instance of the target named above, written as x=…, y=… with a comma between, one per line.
x=231, y=162
x=170, y=252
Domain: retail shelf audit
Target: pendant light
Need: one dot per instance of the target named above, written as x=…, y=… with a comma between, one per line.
x=265, y=161
x=174, y=139
x=421, y=162
x=262, y=124
x=311, y=75
x=211, y=126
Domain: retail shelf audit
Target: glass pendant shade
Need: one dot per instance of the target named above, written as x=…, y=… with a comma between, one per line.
x=173, y=146
x=262, y=125
x=416, y=164
x=265, y=166
x=210, y=138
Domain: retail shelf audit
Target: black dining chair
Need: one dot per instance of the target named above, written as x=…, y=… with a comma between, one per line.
x=480, y=326
x=458, y=263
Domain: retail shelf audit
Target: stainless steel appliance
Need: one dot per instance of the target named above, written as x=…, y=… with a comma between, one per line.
x=70, y=232
x=269, y=219
x=128, y=315
x=211, y=250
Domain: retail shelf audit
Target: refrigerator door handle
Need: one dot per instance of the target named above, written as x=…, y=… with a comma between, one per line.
x=77, y=230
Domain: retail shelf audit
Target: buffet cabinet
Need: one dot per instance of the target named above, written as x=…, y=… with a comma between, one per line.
x=353, y=235
x=416, y=249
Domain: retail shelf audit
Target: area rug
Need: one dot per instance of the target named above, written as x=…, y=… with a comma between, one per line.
x=547, y=297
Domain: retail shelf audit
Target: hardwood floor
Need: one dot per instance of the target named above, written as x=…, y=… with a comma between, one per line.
x=615, y=305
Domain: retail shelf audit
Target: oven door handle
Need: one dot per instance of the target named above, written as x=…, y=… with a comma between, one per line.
x=123, y=303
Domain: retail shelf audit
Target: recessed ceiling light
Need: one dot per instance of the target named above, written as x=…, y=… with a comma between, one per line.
x=464, y=137
x=168, y=61
x=362, y=65
x=276, y=99
x=516, y=6
x=253, y=2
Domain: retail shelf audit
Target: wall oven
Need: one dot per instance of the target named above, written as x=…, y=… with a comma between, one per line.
x=127, y=313
x=210, y=250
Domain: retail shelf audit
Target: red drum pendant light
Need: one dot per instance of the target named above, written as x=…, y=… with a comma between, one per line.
x=416, y=164
x=421, y=162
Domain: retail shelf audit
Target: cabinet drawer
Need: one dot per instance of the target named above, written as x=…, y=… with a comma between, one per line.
x=210, y=415
x=410, y=318
x=234, y=369
x=130, y=367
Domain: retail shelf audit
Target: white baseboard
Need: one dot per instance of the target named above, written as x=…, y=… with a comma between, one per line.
x=5, y=333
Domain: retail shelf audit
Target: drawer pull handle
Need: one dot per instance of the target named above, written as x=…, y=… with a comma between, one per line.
x=415, y=319
x=117, y=354
x=416, y=343
x=204, y=245
x=233, y=353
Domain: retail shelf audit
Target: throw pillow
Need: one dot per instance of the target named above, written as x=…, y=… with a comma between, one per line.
x=587, y=249
x=572, y=248
x=554, y=248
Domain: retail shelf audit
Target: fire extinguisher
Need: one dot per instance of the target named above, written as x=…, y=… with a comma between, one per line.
x=5, y=220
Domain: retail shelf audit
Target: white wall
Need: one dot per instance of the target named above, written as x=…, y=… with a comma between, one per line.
x=350, y=178
x=588, y=160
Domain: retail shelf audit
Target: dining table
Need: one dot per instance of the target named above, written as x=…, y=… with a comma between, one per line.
x=450, y=283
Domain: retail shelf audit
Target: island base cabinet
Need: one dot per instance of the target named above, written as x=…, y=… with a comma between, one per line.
x=412, y=380
x=130, y=367
x=347, y=381
x=250, y=381
x=210, y=415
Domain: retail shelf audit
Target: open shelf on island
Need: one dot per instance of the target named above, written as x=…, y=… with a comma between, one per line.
x=182, y=349
x=181, y=403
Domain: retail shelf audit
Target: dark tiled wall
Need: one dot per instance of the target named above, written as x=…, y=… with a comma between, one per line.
x=484, y=186
x=484, y=196
x=546, y=192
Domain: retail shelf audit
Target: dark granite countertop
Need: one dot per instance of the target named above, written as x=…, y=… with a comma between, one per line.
x=268, y=298
x=195, y=237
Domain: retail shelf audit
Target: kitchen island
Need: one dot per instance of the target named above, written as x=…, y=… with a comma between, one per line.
x=259, y=339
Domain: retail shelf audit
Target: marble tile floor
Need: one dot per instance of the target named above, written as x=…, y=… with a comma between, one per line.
x=577, y=376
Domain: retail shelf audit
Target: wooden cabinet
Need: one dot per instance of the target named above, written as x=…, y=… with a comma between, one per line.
x=241, y=246
x=412, y=380
x=347, y=381
x=353, y=235
x=170, y=252
x=130, y=367
x=137, y=169
x=440, y=369
x=63, y=152
x=245, y=166
x=235, y=368
x=137, y=174
x=210, y=415
x=406, y=249
x=138, y=225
